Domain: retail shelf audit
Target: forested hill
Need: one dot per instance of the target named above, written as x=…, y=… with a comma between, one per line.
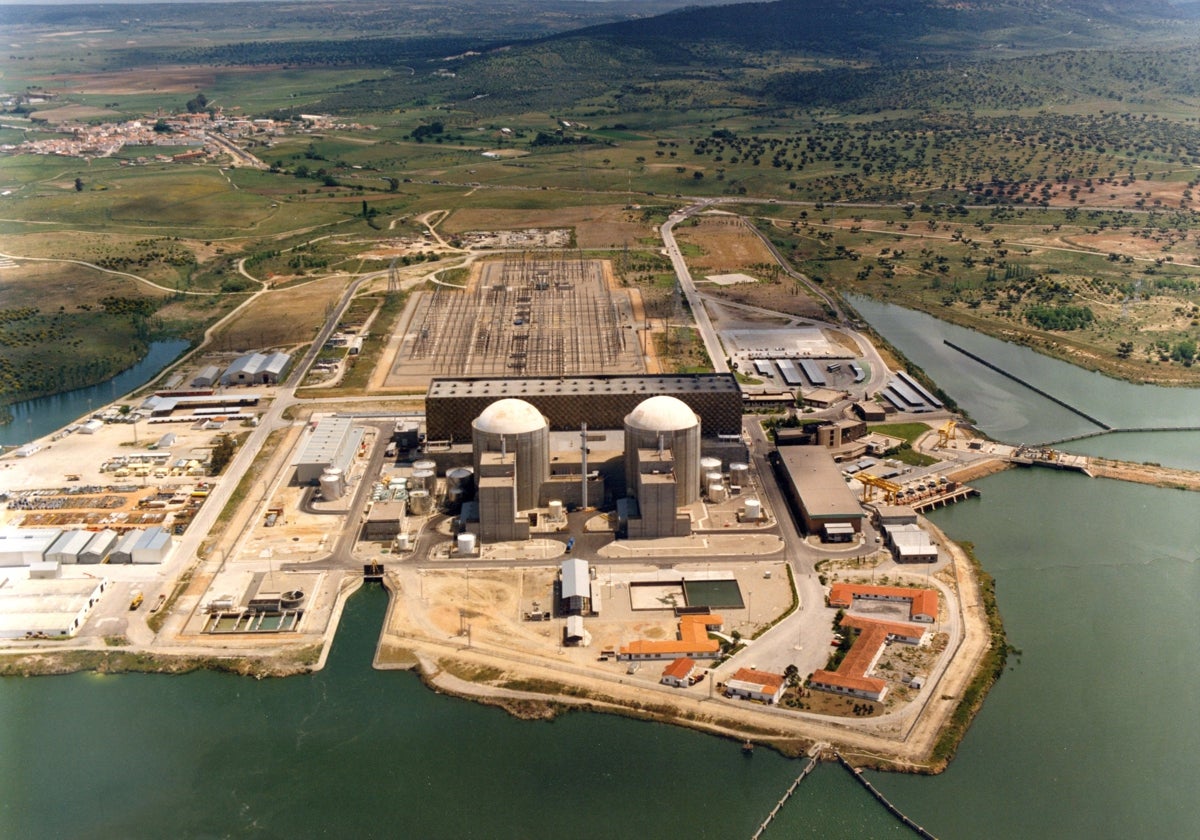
x=893, y=30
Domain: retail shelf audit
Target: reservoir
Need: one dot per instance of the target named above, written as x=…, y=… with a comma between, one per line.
x=39, y=417
x=1091, y=732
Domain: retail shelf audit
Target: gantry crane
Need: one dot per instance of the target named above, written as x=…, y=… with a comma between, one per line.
x=871, y=483
x=947, y=433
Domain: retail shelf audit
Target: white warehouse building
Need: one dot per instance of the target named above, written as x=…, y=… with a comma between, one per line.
x=333, y=443
x=256, y=369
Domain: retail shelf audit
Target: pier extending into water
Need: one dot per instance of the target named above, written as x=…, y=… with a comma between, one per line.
x=883, y=800
x=787, y=794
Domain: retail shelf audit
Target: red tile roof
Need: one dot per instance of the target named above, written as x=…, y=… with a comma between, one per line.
x=693, y=639
x=680, y=669
x=924, y=601
x=770, y=682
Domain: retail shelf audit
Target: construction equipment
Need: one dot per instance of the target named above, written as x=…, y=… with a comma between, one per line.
x=871, y=483
x=947, y=433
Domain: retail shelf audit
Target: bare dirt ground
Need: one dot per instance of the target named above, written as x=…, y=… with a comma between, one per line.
x=1144, y=474
x=465, y=631
x=602, y=226
x=727, y=246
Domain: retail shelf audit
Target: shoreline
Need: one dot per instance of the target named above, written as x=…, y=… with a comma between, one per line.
x=538, y=690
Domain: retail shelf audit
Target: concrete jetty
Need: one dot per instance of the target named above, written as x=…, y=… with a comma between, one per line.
x=787, y=794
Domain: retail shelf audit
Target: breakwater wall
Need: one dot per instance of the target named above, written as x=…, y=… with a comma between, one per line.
x=992, y=366
x=883, y=800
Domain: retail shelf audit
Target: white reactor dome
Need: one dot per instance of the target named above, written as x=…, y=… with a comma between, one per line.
x=510, y=417
x=662, y=414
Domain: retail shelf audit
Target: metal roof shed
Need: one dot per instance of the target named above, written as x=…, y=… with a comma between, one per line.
x=153, y=547
x=122, y=552
x=66, y=548
x=576, y=586
x=99, y=547
x=207, y=377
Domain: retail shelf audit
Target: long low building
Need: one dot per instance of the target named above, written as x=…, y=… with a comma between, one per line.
x=54, y=607
x=693, y=641
x=923, y=603
x=817, y=491
x=26, y=546
x=853, y=676
x=602, y=402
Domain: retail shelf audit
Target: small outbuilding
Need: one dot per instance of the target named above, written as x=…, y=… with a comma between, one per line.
x=679, y=673
x=756, y=685
x=207, y=377
x=575, y=596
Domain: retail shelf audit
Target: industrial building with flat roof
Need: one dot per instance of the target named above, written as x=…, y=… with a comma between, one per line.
x=47, y=607
x=602, y=402
x=817, y=490
x=333, y=443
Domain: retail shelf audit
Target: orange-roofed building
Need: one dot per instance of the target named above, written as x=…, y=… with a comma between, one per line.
x=693, y=641
x=924, y=602
x=756, y=685
x=679, y=672
x=853, y=675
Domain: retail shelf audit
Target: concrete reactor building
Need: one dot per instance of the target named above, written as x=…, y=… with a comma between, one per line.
x=665, y=423
x=511, y=452
x=662, y=468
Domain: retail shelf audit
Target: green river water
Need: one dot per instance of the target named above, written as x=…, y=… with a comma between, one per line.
x=1094, y=731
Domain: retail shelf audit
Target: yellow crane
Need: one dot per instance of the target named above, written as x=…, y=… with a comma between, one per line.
x=947, y=433
x=871, y=483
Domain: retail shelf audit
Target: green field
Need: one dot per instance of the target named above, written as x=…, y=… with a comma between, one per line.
x=1041, y=193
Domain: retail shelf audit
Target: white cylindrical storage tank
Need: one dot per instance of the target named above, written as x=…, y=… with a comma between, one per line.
x=753, y=510
x=739, y=474
x=333, y=485
x=424, y=480
x=711, y=478
x=709, y=464
x=402, y=541
x=556, y=511
x=420, y=502
x=670, y=422
x=716, y=492
x=425, y=464
x=466, y=543
x=517, y=429
x=460, y=481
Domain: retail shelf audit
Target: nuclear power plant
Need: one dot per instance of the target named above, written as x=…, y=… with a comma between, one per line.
x=527, y=468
